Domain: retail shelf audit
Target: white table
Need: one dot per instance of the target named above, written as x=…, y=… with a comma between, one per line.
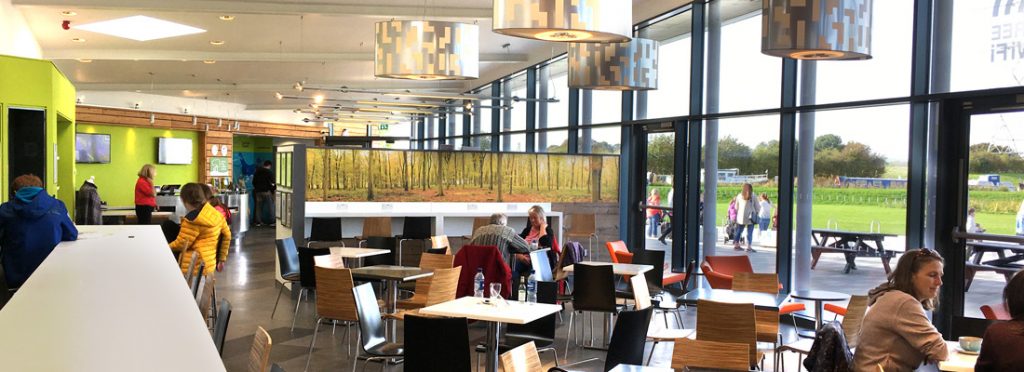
x=357, y=253
x=617, y=268
x=114, y=300
x=475, y=308
x=958, y=362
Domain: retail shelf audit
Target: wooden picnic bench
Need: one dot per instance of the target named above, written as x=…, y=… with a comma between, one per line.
x=851, y=244
x=1006, y=265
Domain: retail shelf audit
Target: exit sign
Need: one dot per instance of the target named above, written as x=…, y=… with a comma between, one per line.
x=382, y=127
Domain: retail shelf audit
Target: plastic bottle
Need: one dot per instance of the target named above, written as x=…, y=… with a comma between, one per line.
x=531, y=288
x=521, y=297
x=478, y=283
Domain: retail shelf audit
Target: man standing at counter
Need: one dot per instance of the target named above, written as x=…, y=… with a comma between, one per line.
x=31, y=225
x=263, y=191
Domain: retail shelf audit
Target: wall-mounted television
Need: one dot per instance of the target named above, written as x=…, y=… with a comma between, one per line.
x=174, y=151
x=92, y=148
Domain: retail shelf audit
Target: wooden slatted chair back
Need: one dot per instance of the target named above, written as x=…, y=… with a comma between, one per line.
x=756, y=282
x=855, y=312
x=727, y=322
x=582, y=225
x=334, y=298
x=443, y=285
x=521, y=359
x=641, y=295
x=259, y=354
x=710, y=354
x=376, y=226
x=441, y=241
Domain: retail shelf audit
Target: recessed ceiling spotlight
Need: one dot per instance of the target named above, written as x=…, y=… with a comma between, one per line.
x=68, y=13
x=83, y=60
x=227, y=17
x=209, y=61
x=78, y=40
x=216, y=42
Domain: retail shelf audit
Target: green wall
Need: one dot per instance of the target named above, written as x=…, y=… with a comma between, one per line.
x=130, y=149
x=33, y=83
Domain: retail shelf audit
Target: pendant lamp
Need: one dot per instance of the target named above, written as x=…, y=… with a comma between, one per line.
x=427, y=50
x=565, y=20
x=817, y=29
x=632, y=65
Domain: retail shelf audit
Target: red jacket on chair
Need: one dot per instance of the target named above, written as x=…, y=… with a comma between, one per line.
x=487, y=257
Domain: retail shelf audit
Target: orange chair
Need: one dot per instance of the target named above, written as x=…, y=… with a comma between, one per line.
x=618, y=252
x=995, y=312
x=841, y=311
x=718, y=270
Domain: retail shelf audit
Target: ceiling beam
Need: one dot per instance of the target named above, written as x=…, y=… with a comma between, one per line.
x=190, y=55
x=295, y=7
x=284, y=87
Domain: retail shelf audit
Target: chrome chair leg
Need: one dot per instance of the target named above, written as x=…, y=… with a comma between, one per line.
x=278, y=299
x=297, y=303
x=569, y=335
x=355, y=358
x=309, y=356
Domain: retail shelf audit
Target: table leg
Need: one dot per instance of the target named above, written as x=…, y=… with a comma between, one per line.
x=492, y=346
x=392, y=301
x=818, y=308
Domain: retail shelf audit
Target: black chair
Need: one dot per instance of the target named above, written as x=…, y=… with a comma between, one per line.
x=414, y=228
x=594, y=291
x=666, y=303
x=371, y=328
x=220, y=326
x=288, y=262
x=325, y=230
x=437, y=250
x=436, y=344
x=307, y=276
x=276, y=368
x=628, y=340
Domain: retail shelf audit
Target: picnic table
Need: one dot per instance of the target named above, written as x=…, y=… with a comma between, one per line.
x=1005, y=264
x=852, y=244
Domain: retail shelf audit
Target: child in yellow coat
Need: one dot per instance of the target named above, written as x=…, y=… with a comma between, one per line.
x=203, y=230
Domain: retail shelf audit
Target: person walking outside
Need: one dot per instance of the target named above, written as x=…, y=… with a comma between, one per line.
x=145, y=198
x=263, y=190
x=746, y=214
x=764, y=214
x=653, y=215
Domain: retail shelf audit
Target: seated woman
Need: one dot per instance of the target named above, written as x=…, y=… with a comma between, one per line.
x=902, y=337
x=31, y=225
x=1001, y=348
x=201, y=230
x=536, y=230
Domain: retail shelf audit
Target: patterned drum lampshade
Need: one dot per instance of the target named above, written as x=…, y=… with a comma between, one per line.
x=817, y=29
x=632, y=65
x=427, y=50
x=592, y=21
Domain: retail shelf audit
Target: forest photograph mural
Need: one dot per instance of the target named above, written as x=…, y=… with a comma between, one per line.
x=459, y=176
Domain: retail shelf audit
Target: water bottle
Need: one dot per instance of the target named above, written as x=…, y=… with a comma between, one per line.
x=478, y=283
x=531, y=288
x=521, y=297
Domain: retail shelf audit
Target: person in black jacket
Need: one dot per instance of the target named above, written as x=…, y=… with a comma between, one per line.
x=263, y=191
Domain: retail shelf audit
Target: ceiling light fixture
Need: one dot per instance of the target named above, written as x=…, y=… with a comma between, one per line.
x=565, y=20
x=83, y=60
x=139, y=28
x=68, y=13
x=78, y=40
x=427, y=50
x=632, y=65
x=227, y=17
x=216, y=42
x=209, y=61
x=817, y=29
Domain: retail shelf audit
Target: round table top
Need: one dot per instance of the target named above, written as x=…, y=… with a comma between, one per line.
x=818, y=295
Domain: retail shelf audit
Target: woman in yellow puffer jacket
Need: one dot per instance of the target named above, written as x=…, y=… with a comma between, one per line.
x=201, y=230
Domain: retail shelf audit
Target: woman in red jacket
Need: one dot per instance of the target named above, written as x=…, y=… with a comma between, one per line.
x=145, y=198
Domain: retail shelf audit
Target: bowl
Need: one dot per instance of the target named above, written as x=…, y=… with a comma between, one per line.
x=972, y=344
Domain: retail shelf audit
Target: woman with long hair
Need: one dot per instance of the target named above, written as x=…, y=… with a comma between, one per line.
x=1003, y=342
x=145, y=197
x=901, y=335
x=746, y=217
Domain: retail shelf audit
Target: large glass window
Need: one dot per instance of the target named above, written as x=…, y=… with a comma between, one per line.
x=604, y=140
x=518, y=89
x=558, y=141
x=673, y=93
x=558, y=87
x=606, y=107
x=483, y=111
x=987, y=44
x=887, y=73
x=748, y=79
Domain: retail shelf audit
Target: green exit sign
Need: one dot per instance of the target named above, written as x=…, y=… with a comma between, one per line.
x=382, y=127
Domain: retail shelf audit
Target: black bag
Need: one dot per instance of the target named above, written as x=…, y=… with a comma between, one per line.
x=829, y=353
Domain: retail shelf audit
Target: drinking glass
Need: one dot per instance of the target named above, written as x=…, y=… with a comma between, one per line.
x=495, y=290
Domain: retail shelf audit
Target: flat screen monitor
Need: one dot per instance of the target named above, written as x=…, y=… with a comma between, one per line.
x=92, y=148
x=175, y=151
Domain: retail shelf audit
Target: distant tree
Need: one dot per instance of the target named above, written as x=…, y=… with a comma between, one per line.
x=734, y=154
x=854, y=159
x=661, y=154
x=990, y=158
x=765, y=157
x=828, y=141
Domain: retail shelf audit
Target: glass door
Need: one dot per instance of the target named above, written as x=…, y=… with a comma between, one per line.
x=658, y=189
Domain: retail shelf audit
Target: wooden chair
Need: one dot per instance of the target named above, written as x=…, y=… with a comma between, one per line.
x=641, y=294
x=259, y=354
x=439, y=242
x=375, y=226
x=443, y=285
x=730, y=323
x=767, y=320
x=855, y=311
x=710, y=354
x=583, y=226
x=431, y=262
x=329, y=261
x=521, y=359
x=334, y=302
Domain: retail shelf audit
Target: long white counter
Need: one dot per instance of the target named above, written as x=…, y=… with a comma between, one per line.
x=114, y=300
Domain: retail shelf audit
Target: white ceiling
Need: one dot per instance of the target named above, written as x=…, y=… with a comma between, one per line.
x=268, y=46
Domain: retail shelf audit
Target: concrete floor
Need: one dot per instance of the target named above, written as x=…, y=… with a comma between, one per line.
x=248, y=283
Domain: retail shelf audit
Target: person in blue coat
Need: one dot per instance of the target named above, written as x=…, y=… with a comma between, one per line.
x=31, y=225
